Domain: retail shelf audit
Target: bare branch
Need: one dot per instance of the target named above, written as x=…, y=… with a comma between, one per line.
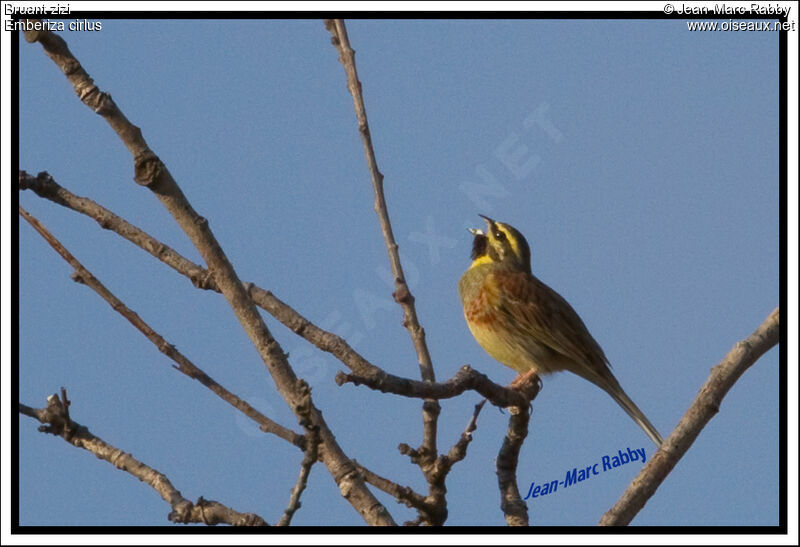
x=704, y=407
x=403, y=494
x=435, y=511
x=367, y=373
x=309, y=459
x=184, y=365
x=459, y=450
x=309, y=443
x=402, y=294
x=151, y=172
x=46, y=187
x=465, y=379
x=511, y=503
x=57, y=422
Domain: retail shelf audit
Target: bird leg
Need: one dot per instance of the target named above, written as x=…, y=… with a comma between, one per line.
x=523, y=379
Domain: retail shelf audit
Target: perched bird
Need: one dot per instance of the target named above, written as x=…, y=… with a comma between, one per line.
x=526, y=325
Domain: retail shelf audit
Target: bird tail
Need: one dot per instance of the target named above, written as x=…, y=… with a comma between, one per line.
x=638, y=416
x=611, y=386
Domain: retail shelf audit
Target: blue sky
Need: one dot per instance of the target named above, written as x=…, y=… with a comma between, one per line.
x=639, y=159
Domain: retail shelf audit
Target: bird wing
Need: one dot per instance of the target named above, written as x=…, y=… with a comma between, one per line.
x=549, y=318
x=544, y=315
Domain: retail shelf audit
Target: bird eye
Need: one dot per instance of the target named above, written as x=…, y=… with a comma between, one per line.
x=500, y=236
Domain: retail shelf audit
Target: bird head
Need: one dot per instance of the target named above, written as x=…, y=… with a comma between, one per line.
x=500, y=244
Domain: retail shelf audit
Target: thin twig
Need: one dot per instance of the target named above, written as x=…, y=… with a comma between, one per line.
x=184, y=365
x=403, y=494
x=402, y=293
x=309, y=459
x=459, y=450
x=153, y=174
x=705, y=406
x=57, y=422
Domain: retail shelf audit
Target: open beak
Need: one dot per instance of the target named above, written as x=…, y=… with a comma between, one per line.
x=489, y=223
x=478, y=231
